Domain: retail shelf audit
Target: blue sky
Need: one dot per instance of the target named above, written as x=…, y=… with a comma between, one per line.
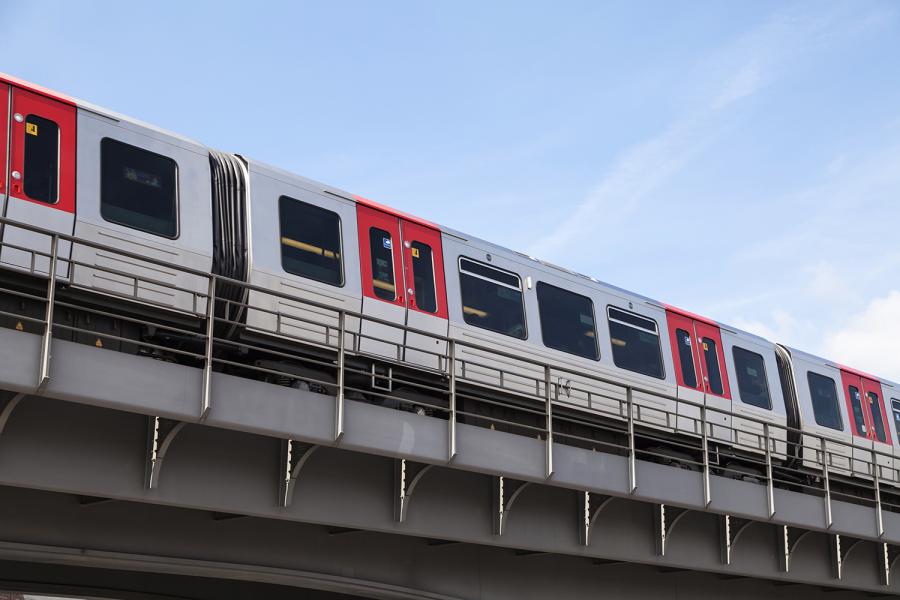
x=741, y=160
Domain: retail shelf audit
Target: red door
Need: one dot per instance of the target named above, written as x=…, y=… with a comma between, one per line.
x=865, y=405
x=700, y=373
x=697, y=351
x=4, y=127
x=41, y=177
x=42, y=157
x=402, y=271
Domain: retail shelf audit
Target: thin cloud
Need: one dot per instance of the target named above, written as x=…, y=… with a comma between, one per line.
x=739, y=72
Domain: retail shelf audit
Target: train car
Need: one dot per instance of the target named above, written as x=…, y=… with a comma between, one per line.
x=297, y=262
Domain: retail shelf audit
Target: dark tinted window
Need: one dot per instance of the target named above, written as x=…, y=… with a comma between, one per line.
x=138, y=189
x=567, y=321
x=491, y=298
x=751, y=378
x=310, y=241
x=856, y=405
x=895, y=410
x=824, y=401
x=686, y=357
x=41, y=176
x=711, y=358
x=635, y=343
x=877, y=418
x=381, y=247
x=423, y=277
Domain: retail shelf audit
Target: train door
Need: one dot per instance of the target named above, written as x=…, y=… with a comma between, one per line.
x=403, y=282
x=41, y=178
x=701, y=374
x=865, y=406
x=4, y=140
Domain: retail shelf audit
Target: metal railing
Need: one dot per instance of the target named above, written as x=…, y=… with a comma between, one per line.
x=555, y=402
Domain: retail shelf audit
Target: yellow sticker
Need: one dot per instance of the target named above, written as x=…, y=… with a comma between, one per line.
x=415, y=252
x=705, y=346
x=30, y=128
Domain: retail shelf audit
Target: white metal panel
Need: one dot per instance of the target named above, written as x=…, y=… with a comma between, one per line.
x=278, y=315
x=837, y=442
x=29, y=250
x=192, y=249
x=750, y=434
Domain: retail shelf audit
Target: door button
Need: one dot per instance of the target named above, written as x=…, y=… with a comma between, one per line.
x=16, y=175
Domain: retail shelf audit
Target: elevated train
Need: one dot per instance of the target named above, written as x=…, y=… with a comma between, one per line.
x=81, y=170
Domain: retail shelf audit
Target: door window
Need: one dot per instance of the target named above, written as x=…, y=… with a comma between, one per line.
x=686, y=357
x=877, y=418
x=711, y=358
x=859, y=418
x=381, y=250
x=895, y=410
x=41, y=159
x=423, y=276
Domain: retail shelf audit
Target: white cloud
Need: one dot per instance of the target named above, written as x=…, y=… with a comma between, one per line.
x=870, y=341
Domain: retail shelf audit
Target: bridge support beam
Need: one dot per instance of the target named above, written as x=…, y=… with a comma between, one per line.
x=160, y=435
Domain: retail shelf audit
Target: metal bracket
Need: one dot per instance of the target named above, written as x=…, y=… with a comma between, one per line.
x=293, y=456
x=664, y=529
x=8, y=408
x=839, y=556
x=589, y=514
x=788, y=547
x=504, y=499
x=729, y=541
x=160, y=434
x=889, y=560
x=406, y=471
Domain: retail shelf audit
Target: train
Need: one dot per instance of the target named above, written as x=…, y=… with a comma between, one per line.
x=141, y=198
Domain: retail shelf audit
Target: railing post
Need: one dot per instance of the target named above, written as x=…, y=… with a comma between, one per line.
x=770, y=484
x=451, y=417
x=339, y=399
x=707, y=497
x=827, y=483
x=632, y=473
x=876, y=478
x=44, y=373
x=549, y=419
x=205, y=402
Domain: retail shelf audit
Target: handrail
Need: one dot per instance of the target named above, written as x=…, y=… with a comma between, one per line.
x=773, y=440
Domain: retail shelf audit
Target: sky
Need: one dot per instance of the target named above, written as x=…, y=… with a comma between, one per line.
x=739, y=160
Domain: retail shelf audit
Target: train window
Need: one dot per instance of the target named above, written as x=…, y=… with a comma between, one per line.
x=567, y=321
x=877, y=418
x=713, y=373
x=751, y=378
x=824, y=401
x=491, y=298
x=138, y=188
x=686, y=358
x=381, y=248
x=423, y=277
x=635, y=342
x=895, y=410
x=856, y=404
x=310, y=241
x=41, y=159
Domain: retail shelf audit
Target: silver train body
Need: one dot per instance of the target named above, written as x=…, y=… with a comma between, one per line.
x=237, y=232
